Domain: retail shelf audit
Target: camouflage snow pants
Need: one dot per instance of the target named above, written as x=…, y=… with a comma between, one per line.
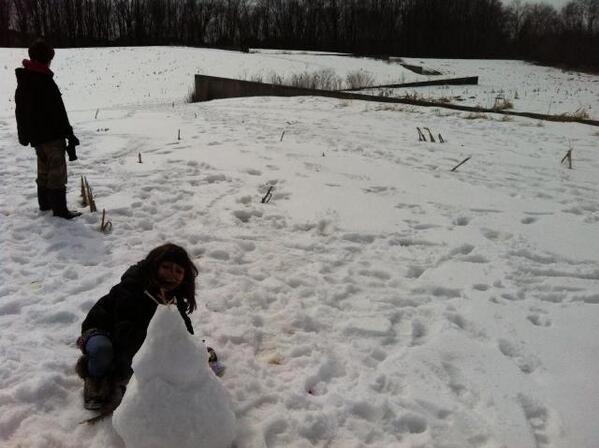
x=51, y=165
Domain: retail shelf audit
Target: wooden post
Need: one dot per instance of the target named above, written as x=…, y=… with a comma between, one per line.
x=179, y=135
x=90, y=197
x=568, y=157
x=430, y=134
x=139, y=157
x=267, y=197
x=105, y=226
x=83, y=192
x=282, y=135
x=461, y=163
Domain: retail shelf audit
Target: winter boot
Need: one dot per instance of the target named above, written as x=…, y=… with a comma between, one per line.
x=58, y=200
x=42, y=199
x=81, y=367
x=96, y=393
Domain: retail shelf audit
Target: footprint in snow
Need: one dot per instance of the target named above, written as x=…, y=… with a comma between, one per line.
x=415, y=271
x=461, y=221
x=58, y=318
x=526, y=364
x=539, y=320
x=359, y=238
x=528, y=220
x=538, y=418
x=411, y=423
x=376, y=189
x=272, y=429
x=419, y=332
x=495, y=235
x=457, y=383
x=459, y=321
x=245, y=215
x=245, y=200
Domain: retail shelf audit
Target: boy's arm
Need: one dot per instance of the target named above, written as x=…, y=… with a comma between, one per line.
x=58, y=111
x=128, y=333
x=22, y=113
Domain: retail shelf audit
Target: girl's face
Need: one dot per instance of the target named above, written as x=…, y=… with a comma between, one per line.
x=170, y=275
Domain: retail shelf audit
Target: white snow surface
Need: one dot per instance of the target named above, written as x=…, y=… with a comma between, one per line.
x=378, y=299
x=528, y=87
x=173, y=398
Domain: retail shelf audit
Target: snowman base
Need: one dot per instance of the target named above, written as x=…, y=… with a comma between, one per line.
x=106, y=411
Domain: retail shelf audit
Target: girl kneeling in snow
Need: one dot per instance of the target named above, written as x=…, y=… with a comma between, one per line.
x=116, y=326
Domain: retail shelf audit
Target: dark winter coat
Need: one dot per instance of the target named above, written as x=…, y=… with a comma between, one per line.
x=40, y=112
x=124, y=314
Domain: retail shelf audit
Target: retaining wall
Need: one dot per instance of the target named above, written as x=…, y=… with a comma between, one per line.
x=211, y=87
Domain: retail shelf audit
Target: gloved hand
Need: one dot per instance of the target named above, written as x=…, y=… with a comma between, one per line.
x=72, y=153
x=72, y=143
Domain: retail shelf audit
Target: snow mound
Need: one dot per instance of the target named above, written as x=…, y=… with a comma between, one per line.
x=174, y=399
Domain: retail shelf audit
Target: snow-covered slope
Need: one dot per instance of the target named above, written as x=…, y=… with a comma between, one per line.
x=377, y=300
x=105, y=77
x=528, y=87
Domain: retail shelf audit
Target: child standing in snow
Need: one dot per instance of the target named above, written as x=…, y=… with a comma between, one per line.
x=42, y=122
x=116, y=326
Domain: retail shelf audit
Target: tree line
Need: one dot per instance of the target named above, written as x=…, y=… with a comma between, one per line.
x=433, y=28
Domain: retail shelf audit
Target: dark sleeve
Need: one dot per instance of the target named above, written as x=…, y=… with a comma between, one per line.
x=23, y=113
x=59, y=113
x=129, y=330
x=114, y=314
x=99, y=316
x=132, y=316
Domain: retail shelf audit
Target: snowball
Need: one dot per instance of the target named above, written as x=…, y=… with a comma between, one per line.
x=173, y=398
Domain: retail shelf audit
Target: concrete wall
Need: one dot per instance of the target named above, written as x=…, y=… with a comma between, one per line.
x=210, y=88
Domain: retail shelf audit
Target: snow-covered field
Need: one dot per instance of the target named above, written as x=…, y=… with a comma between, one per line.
x=529, y=88
x=377, y=300
x=103, y=77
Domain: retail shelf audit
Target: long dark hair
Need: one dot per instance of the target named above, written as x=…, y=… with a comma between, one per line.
x=186, y=291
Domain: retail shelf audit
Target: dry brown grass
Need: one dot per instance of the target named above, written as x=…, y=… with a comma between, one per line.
x=579, y=114
x=390, y=108
x=359, y=79
x=476, y=116
x=323, y=80
x=412, y=96
x=503, y=105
